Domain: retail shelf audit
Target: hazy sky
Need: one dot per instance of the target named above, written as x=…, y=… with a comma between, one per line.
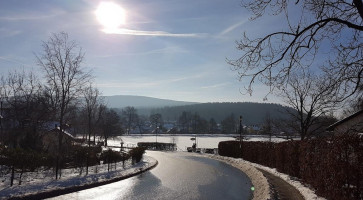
x=171, y=49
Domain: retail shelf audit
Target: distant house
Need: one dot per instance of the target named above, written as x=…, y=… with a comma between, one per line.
x=168, y=125
x=50, y=139
x=350, y=124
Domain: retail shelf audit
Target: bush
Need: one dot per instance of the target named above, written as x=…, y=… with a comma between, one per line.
x=77, y=156
x=136, y=154
x=157, y=146
x=110, y=156
x=23, y=160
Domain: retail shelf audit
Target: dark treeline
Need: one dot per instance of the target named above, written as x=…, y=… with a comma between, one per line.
x=252, y=113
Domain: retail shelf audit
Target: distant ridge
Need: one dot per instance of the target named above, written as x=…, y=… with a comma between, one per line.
x=122, y=101
x=253, y=113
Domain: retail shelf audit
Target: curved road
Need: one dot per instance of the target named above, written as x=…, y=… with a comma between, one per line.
x=177, y=176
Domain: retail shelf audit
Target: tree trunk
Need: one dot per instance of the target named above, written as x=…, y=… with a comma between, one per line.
x=12, y=175
x=21, y=174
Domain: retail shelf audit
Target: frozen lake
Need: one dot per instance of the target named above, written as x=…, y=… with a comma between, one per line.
x=184, y=141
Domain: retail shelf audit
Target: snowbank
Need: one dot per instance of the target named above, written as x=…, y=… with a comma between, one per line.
x=305, y=191
x=72, y=183
x=259, y=181
x=261, y=187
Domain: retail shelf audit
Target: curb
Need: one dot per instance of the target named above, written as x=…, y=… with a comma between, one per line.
x=58, y=192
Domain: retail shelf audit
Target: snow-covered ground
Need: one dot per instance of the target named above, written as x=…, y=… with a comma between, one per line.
x=303, y=189
x=44, y=181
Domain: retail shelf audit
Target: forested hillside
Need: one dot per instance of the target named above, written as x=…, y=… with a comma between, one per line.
x=253, y=113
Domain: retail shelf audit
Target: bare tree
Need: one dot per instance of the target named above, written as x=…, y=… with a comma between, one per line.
x=229, y=124
x=26, y=108
x=313, y=27
x=140, y=123
x=156, y=120
x=212, y=125
x=354, y=106
x=311, y=100
x=25, y=112
x=129, y=115
x=61, y=61
x=109, y=123
x=91, y=107
x=267, y=125
x=199, y=125
x=185, y=121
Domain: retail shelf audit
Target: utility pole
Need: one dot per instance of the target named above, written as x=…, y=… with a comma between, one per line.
x=1, y=124
x=156, y=136
x=240, y=134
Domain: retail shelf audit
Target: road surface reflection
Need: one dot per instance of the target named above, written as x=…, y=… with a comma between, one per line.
x=179, y=175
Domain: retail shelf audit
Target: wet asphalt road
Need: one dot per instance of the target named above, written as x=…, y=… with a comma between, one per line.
x=178, y=175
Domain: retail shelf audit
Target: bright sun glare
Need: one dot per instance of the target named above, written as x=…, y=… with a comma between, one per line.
x=110, y=15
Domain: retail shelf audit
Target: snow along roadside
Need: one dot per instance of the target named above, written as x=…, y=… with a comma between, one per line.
x=73, y=184
x=304, y=190
x=259, y=181
x=261, y=187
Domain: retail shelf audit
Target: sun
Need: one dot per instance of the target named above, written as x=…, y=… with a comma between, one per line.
x=110, y=15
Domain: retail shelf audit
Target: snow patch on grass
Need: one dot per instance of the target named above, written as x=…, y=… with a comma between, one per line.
x=71, y=178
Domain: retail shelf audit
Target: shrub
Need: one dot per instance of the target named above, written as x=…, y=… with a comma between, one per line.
x=136, y=154
x=110, y=156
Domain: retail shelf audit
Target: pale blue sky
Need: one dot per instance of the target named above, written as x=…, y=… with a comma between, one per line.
x=171, y=49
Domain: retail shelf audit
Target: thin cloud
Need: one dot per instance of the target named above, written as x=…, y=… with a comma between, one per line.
x=166, y=50
x=12, y=61
x=8, y=33
x=31, y=16
x=152, y=33
x=215, y=86
x=145, y=83
x=233, y=27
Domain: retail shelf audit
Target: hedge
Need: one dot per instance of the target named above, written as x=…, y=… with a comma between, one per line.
x=157, y=146
x=333, y=166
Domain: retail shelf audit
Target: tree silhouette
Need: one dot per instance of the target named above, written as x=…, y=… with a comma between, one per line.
x=314, y=27
x=61, y=61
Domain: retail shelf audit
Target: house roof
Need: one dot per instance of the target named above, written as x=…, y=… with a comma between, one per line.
x=64, y=131
x=331, y=127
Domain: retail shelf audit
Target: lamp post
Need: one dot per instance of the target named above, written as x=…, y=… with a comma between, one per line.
x=156, y=135
x=195, y=139
x=122, y=145
x=240, y=134
x=1, y=124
